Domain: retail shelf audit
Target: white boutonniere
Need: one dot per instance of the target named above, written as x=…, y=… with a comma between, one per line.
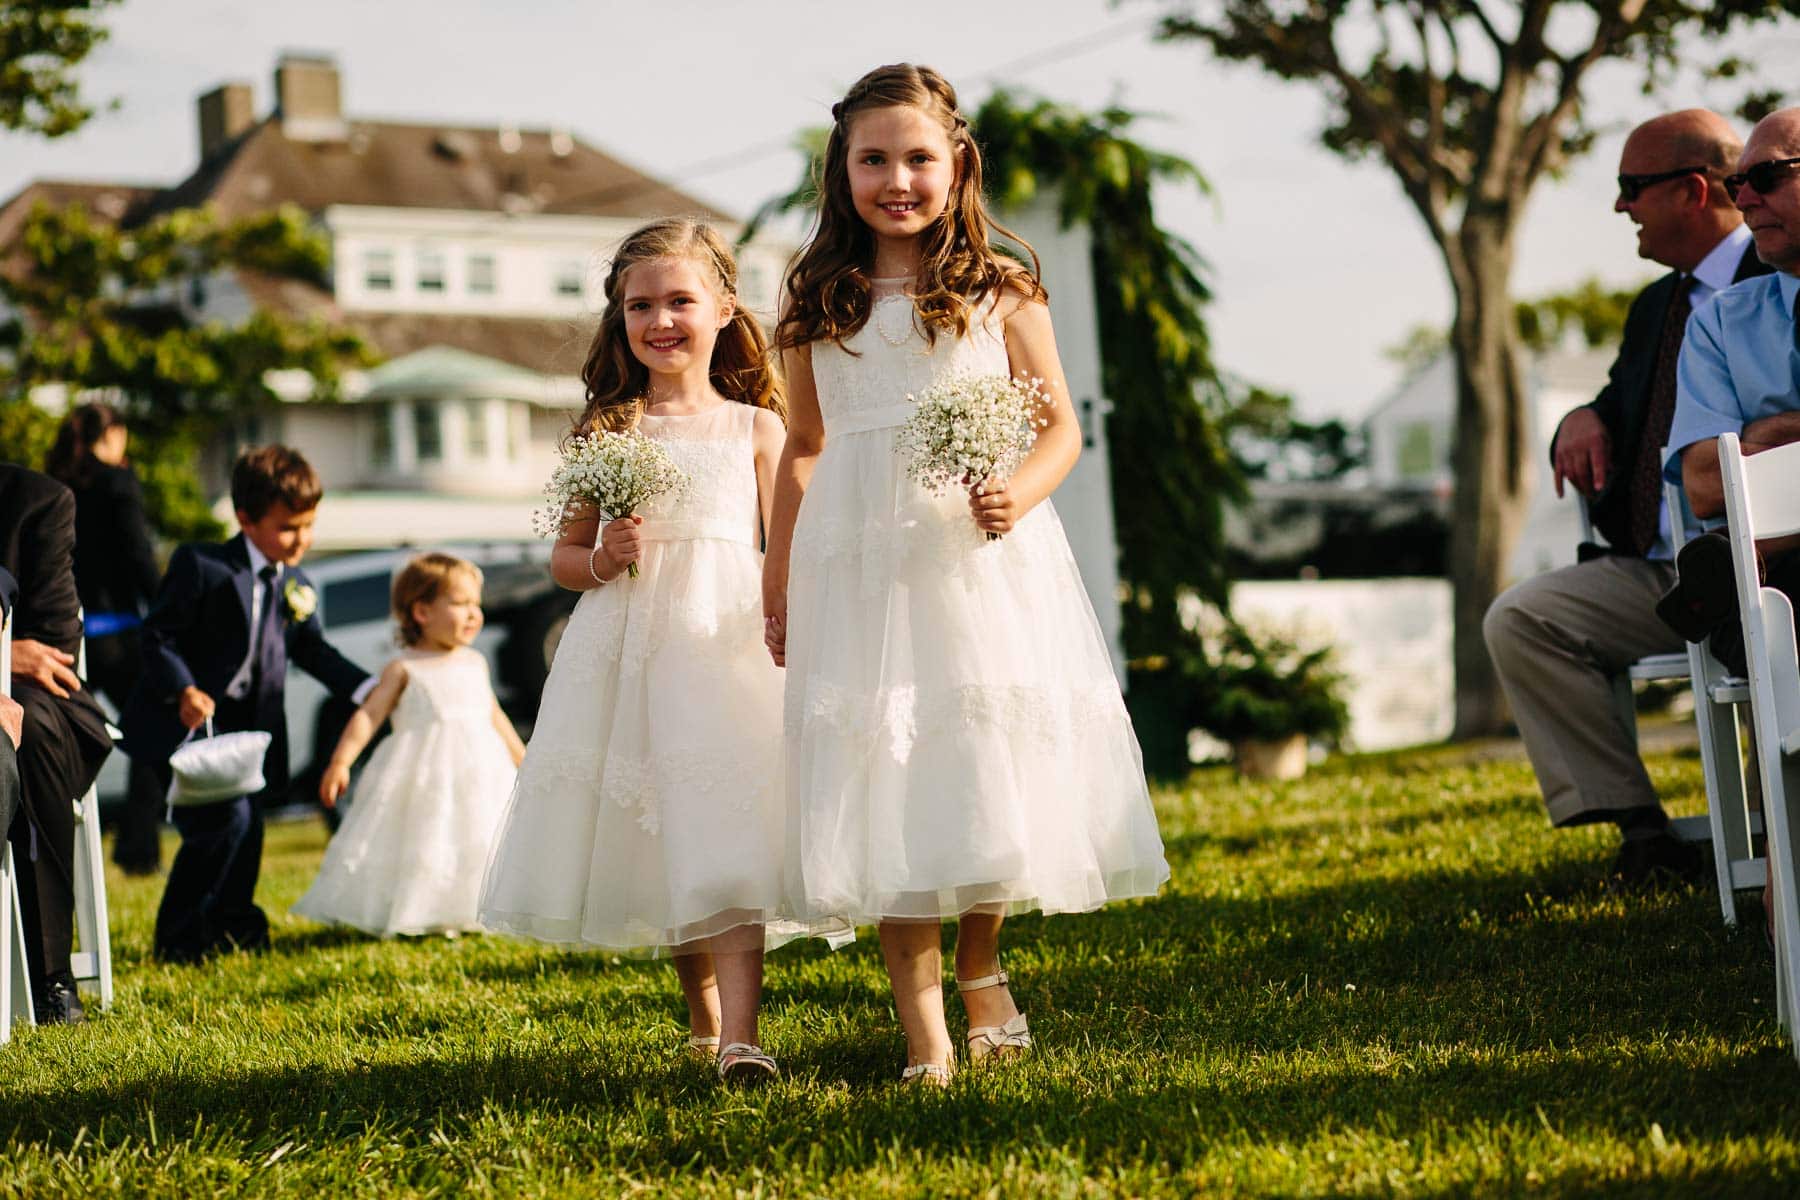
x=302, y=601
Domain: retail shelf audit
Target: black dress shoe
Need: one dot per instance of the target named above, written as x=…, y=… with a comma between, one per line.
x=1705, y=591
x=1650, y=863
x=61, y=1004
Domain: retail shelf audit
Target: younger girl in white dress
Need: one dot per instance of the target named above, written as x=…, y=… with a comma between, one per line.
x=649, y=813
x=409, y=855
x=957, y=743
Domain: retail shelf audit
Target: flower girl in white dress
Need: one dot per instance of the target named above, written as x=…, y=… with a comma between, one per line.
x=409, y=855
x=957, y=743
x=649, y=814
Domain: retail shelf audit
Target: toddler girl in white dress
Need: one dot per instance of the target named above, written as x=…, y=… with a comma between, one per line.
x=409, y=855
x=957, y=744
x=649, y=813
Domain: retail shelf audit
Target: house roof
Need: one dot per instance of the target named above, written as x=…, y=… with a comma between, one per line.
x=443, y=371
x=110, y=202
x=389, y=164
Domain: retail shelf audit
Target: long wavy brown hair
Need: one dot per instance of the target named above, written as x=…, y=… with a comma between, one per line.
x=617, y=383
x=828, y=285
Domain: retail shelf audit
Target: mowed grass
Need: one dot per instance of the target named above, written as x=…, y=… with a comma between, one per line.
x=1389, y=979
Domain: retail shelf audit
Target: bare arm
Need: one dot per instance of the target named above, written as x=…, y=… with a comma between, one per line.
x=768, y=438
x=805, y=440
x=509, y=735
x=1031, y=352
x=360, y=729
x=1700, y=474
x=619, y=547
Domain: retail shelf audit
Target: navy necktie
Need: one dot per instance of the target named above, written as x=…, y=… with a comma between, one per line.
x=270, y=653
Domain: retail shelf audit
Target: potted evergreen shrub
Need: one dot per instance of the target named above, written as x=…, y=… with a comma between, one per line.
x=1269, y=694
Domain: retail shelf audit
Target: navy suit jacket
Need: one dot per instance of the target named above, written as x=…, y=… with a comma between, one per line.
x=198, y=634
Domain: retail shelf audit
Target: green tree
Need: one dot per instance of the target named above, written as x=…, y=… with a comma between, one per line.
x=1173, y=470
x=1469, y=103
x=41, y=44
x=98, y=309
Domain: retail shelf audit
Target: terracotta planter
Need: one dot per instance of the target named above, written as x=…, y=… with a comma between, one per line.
x=1281, y=759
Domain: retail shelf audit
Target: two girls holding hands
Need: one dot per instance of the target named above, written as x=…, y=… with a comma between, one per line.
x=949, y=741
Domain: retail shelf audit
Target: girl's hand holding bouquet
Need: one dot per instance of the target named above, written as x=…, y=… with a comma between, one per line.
x=613, y=475
x=973, y=431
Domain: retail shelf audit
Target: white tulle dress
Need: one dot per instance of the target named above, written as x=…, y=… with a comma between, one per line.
x=649, y=810
x=409, y=855
x=956, y=737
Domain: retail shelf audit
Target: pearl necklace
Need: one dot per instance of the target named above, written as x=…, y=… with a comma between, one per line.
x=884, y=306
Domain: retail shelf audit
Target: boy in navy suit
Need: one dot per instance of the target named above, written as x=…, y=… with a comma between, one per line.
x=217, y=642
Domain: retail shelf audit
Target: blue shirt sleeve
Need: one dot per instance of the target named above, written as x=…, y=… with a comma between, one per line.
x=1706, y=402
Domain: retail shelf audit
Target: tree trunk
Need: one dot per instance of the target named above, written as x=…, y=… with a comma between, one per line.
x=1489, y=459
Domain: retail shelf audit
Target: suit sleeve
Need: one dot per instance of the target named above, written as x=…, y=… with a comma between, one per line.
x=49, y=609
x=173, y=612
x=308, y=649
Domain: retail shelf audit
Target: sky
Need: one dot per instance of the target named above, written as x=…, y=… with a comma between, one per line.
x=1317, y=265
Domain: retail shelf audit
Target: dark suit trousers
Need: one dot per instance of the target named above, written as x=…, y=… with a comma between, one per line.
x=114, y=664
x=53, y=775
x=209, y=904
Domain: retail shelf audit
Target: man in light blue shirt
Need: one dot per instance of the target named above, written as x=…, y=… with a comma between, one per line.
x=1740, y=359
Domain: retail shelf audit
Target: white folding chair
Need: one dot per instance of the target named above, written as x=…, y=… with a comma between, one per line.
x=1762, y=501
x=1728, y=823
x=15, y=972
x=92, y=963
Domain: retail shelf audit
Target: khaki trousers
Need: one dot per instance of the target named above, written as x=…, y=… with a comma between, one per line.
x=1558, y=639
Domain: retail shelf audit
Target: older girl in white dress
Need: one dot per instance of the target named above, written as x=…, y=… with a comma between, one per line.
x=957, y=744
x=650, y=812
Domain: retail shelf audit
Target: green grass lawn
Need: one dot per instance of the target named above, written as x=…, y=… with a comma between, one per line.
x=1391, y=978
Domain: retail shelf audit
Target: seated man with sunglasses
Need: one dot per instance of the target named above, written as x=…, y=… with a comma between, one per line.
x=1740, y=373
x=1559, y=638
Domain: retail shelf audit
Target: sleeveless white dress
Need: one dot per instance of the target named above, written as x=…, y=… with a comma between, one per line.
x=408, y=857
x=956, y=737
x=649, y=810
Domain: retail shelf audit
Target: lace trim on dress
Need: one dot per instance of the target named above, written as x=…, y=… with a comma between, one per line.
x=631, y=638
x=900, y=717
x=642, y=783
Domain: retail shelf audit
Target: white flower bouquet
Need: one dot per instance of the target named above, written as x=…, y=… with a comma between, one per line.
x=968, y=428
x=610, y=473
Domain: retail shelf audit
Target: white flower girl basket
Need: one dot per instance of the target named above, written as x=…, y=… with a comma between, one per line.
x=215, y=768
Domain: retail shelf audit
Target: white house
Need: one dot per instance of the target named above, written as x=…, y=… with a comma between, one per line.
x=1410, y=438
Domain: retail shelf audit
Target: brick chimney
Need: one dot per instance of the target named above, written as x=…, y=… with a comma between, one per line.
x=306, y=98
x=225, y=112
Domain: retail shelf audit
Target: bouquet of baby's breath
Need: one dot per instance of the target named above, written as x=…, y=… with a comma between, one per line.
x=611, y=473
x=968, y=428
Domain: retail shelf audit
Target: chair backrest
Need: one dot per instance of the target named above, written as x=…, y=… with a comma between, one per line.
x=1761, y=501
x=6, y=653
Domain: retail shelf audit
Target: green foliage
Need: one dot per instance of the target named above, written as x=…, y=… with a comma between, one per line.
x=108, y=310
x=1390, y=979
x=1266, y=684
x=1270, y=442
x=1590, y=310
x=41, y=44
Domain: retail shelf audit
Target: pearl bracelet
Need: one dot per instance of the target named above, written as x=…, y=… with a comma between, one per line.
x=598, y=582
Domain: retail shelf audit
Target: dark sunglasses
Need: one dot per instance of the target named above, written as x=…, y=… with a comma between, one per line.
x=1764, y=177
x=1632, y=186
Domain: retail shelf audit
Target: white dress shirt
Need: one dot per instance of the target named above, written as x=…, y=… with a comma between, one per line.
x=239, y=687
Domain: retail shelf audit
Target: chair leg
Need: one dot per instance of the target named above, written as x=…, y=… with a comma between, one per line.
x=1781, y=788
x=93, y=965
x=1727, y=810
x=15, y=970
